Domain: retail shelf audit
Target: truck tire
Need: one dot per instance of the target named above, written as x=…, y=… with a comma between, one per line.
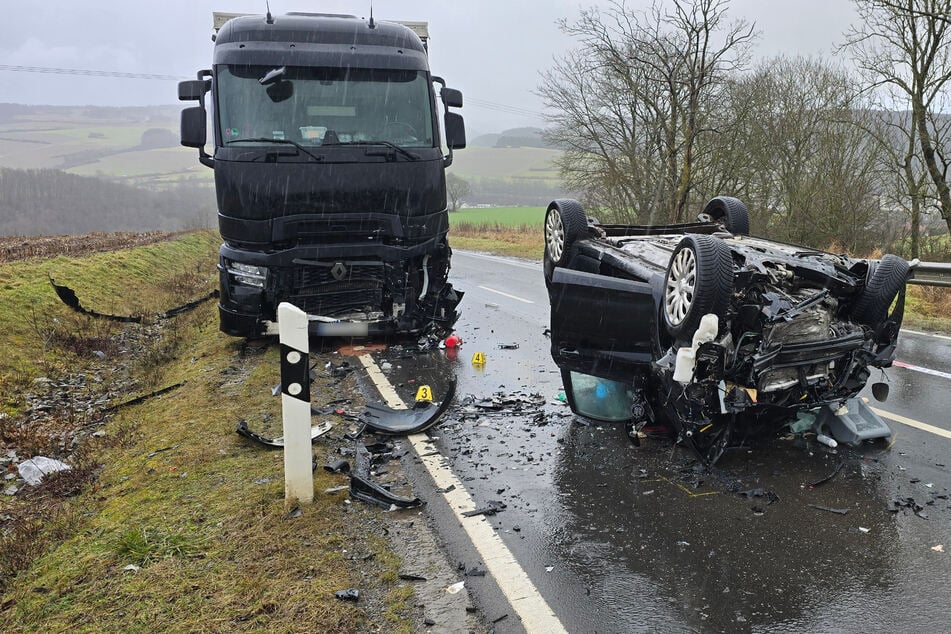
x=882, y=285
x=731, y=212
x=565, y=221
x=699, y=281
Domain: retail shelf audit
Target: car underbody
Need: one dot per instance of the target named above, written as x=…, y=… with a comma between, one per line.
x=716, y=335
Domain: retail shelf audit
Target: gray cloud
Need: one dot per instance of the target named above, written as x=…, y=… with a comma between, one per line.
x=492, y=50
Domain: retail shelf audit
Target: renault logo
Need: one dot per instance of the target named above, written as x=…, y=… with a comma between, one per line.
x=339, y=271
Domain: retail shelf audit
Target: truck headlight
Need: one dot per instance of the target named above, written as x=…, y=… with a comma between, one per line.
x=247, y=274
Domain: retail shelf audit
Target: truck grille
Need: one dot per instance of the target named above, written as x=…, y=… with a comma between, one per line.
x=337, y=288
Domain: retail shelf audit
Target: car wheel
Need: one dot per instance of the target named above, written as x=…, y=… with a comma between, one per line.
x=731, y=212
x=699, y=281
x=882, y=286
x=564, y=222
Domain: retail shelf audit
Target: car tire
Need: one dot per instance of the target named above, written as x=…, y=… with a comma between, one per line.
x=884, y=282
x=699, y=281
x=565, y=220
x=731, y=212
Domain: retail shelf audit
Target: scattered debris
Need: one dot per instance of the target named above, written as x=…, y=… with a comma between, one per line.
x=907, y=503
x=278, y=443
x=362, y=488
x=143, y=397
x=493, y=507
x=938, y=549
x=38, y=467
x=68, y=297
x=835, y=471
x=829, y=509
x=340, y=465
x=456, y=587
x=411, y=577
x=294, y=514
x=350, y=594
x=508, y=346
x=132, y=568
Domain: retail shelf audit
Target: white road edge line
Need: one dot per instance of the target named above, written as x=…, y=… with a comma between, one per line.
x=925, y=334
x=898, y=418
x=533, y=266
x=918, y=368
x=526, y=600
x=521, y=299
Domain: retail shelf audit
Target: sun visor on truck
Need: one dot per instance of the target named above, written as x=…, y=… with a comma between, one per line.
x=278, y=54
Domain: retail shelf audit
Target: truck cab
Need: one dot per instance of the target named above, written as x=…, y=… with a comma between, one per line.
x=329, y=173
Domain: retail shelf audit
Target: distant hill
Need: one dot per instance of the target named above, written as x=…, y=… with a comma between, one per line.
x=515, y=137
x=138, y=146
x=53, y=202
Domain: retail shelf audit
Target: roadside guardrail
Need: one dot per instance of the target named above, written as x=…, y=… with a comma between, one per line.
x=930, y=273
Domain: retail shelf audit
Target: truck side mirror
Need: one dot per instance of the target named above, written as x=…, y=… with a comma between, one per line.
x=193, y=127
x=455, y=131
x=193, y=90
x=451, y=98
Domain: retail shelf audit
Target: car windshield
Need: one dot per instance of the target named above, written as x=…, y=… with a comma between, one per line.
x=324, y=106
x=601, y=399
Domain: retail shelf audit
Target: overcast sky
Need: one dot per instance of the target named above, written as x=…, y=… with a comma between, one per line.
x=492, y=50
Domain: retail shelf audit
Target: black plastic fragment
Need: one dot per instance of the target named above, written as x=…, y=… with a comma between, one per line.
x=68, y=297
x=405, y=576
x=143, y=397
x=365, y=490
x=835, y=471
x=338, y=466
x=277, y=443
x=829, y=509
x=424, y=415
x=493, y=507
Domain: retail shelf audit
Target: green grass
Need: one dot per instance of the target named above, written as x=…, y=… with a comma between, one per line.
x=204, y=518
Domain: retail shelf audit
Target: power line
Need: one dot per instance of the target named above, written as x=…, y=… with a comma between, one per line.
x=86, y=72
x=478, y=103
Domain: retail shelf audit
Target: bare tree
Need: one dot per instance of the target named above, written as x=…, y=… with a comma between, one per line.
x=457, y=189
x=630, y=106
x=905, y=46
x=791, y=143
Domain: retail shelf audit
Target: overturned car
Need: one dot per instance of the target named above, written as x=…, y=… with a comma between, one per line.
x=712, y=334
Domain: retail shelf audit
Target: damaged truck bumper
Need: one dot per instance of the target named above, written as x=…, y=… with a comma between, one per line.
x=346, y=290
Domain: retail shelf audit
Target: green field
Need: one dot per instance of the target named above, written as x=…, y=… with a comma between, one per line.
x=499, y=217
x=105, y=142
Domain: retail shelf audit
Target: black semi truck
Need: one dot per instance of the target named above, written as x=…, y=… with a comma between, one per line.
x=330, y=173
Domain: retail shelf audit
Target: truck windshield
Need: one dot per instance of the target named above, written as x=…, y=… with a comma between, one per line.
x=324, y=106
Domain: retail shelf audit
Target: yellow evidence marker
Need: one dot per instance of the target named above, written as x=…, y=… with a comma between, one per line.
x=478, y=358
x=424, y=393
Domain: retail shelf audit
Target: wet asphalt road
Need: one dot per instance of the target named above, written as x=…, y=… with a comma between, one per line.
x=625, y=539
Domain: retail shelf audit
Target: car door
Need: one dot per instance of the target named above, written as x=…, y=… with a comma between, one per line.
x=601, y=325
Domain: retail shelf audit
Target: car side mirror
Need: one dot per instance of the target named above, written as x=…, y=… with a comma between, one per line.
x=455, y=131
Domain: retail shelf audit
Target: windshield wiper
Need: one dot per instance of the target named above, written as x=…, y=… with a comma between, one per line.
x=402, y=150
x=316, y=157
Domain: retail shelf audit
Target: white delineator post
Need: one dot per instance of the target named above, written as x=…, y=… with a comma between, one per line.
x=295, y=403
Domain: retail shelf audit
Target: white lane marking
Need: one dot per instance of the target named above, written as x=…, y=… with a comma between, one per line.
x=501, y=260
x=526, y=600
x=918, y=368
x=898, y=418
x=925, y=334
x=521, y=299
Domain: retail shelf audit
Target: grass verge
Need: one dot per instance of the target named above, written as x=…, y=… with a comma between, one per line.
x=169, y=520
